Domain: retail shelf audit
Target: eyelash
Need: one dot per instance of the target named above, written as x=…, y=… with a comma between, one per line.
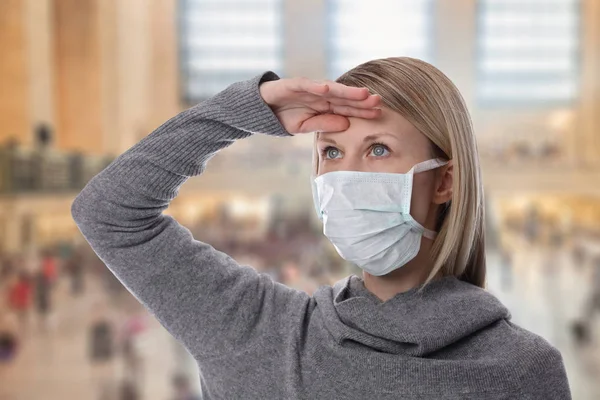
x=326, y=149
x=382, y=145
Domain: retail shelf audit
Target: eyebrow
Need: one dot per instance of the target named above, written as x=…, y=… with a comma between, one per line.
x=368, y=138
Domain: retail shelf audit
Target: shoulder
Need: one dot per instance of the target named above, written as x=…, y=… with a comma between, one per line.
x=532, y=346
x=539, y=365
x=525, y=350
x=527, y=357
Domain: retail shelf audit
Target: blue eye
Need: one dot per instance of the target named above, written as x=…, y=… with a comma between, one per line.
x=330, y=152
x=379, y=150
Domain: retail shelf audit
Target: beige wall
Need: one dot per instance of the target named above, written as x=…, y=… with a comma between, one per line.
x=164, y=73
x=109, y=79
x=39, y=22
x=588, y=127
x=579, y=135
x=456, y=35
x=305, y=45
x=455, y=55
x=103, y=73
x=14, y=74
x=141, y=69
x=455, y=44
x=133, y=66
x=78, y=96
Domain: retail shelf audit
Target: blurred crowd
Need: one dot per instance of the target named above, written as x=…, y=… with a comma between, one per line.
x=37, y=284
x=30, y=285
x=555, y=238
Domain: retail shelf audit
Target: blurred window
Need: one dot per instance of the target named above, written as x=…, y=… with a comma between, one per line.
x=225, y=41
x=528, y=51
x=361, y=30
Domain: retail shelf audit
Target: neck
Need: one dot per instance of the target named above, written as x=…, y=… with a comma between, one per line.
x=411, y=275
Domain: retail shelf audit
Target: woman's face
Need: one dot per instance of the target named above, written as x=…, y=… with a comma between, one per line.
x=388, y=144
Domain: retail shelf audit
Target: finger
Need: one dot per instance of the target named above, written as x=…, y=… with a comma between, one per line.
x=348, y=111
x=310, y=86
x=373, y=100
x=325, y=123
x=346, y=92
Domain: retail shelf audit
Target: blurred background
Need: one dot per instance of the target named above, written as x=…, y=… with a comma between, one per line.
x=83, y=80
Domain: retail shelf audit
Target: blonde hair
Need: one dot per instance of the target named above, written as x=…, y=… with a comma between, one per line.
x=432, y=103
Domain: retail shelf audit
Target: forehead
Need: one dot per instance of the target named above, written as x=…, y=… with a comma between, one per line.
x=389, y=121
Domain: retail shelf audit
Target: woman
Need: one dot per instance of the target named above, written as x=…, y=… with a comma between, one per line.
x=385, y=336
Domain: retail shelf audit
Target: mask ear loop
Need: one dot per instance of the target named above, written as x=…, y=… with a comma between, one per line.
x=426, y=166
x=429, y=164
x=429, y=234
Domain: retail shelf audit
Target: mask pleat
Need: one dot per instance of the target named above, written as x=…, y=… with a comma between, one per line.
x=366, y=216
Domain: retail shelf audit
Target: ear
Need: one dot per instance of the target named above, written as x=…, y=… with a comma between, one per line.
x=444, y=183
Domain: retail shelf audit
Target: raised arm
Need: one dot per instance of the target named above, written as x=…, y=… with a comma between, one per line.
x=200, y=295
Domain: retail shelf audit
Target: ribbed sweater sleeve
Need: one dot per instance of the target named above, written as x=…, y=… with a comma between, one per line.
x=214, y=306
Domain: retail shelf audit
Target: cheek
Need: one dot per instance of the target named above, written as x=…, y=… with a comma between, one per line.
x=422, y=196
x=323, y=170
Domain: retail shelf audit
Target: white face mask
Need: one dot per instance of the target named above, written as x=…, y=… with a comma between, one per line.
x=366, y=215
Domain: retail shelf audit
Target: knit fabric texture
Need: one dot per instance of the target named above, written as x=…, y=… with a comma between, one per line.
x=255, y=338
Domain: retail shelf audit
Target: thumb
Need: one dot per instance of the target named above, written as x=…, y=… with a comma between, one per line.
x=325, y=123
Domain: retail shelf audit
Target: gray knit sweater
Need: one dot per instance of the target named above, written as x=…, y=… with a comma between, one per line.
x=254, y=338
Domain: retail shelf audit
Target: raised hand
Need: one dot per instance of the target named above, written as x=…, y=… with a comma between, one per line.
x=304, y=105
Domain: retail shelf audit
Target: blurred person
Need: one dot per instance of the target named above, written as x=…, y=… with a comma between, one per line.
x=43, y=298
x=101, y=349
x=9, y=335
x=7, y=268
x=294, y=277
x=184, y=362
x=506, y=267
x=532, y=224
x=274, y=271
x=19, y=298
x=133, y=326
x=505, y=249
x=65, y=250
x=495, y=243
x=553, y=252
x=114, y=289
x=582, y=328
x=557, y=236
x=29, y=259
x=578, y=254
x=75, y=269
x=180, y=355
x=183, y=389
x=50, y=267
x=290, y=274
x=129, y=389
x=398, y=187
